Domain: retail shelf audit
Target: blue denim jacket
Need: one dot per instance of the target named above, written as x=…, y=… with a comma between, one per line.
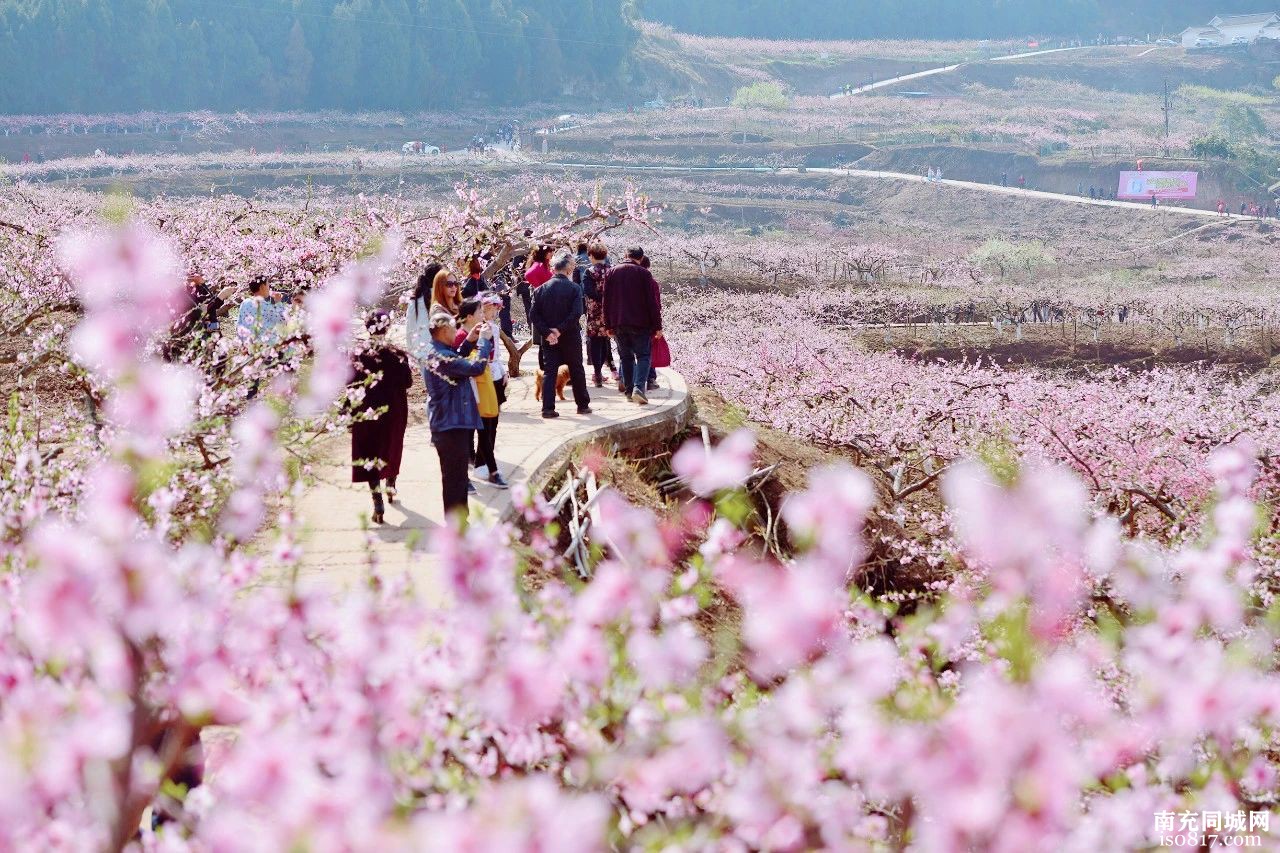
x=451, y=402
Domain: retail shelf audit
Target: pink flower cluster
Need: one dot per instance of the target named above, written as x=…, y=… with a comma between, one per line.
x=158, y=692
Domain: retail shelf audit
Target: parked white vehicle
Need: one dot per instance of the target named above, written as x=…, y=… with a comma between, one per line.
x=418, y=148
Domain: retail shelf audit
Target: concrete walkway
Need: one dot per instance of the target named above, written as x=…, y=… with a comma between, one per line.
x=531, y=450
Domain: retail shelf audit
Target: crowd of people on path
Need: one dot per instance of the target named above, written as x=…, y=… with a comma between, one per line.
x=1251, y=209
x=452, y=328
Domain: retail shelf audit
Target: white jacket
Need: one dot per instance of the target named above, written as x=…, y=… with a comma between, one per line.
x=417, y=331
x=497, y=367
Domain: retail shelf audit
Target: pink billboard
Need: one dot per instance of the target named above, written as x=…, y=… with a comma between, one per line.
x=1142, y=185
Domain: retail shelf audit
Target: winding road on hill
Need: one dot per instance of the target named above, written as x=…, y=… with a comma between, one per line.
x=918, y=75
x=909, y=178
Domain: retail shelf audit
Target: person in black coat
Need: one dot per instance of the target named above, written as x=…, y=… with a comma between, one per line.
x=377, y=436
x=633, y=315
x=556, y=315
x=200, y=319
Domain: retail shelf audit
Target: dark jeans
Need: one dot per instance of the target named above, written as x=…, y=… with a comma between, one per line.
x=526, y=296
x=567, y=351
x=635, y=353
x=600, y=353
x=505, y=322
x=486, y=440
x=453, y=446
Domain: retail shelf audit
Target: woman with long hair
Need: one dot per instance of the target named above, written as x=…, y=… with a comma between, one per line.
x=417, y=332
x=446, y=292
x=377, y=436
x=443, y=294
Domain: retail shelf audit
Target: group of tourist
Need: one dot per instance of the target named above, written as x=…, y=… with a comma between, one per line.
x=452, y=329
x=1251, y=209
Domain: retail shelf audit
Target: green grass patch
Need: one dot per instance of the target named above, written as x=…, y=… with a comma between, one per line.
x=1221, y=97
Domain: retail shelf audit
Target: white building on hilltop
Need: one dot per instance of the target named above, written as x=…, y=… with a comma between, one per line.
x=1226, y=30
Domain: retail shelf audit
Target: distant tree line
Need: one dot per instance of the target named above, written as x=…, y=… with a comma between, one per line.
x=938, y=19
x=118, y=55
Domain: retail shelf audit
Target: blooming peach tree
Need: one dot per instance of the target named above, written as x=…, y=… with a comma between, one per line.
x=162, y=692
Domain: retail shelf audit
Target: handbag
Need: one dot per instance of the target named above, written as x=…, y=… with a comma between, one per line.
x=486, y=395
x=661, y=353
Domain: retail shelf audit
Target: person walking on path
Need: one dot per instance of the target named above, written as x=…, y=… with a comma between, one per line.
x=1222, y=207
x=377, y=435
x=260, y=314
x=659, y=351
x=417, y=334
x=537, y=273
x=258, y=322
x=599, y=344
x=435, y=288
x=201, y=322
x=539, y=270
x=583, y=260
x=633, y=316
x=480, y=453
x=446, y=292
x=475, y=283
x=557, y=313
x=491, y=306
x=453, y=412
x=1022, y=182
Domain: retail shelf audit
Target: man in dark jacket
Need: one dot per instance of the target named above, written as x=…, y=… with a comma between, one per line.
x=632, y=314
x=556, y=315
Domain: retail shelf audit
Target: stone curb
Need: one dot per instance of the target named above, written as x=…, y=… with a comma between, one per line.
x=661, y=425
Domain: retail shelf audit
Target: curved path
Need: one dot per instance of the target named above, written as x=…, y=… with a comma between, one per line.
x=1015, y=191
x=930, y=72
x=919, y=179
x=530, y=450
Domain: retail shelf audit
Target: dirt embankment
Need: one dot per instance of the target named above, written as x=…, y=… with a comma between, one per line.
x=1129, y=74
x=709, y=150
x=1060, y=346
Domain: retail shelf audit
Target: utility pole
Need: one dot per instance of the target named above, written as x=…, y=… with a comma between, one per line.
x=1168, y=108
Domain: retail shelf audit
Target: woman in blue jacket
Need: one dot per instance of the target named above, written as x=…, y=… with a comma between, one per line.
x=451, y=406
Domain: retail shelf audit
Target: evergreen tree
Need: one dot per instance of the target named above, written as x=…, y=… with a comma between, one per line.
x=298, y=62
